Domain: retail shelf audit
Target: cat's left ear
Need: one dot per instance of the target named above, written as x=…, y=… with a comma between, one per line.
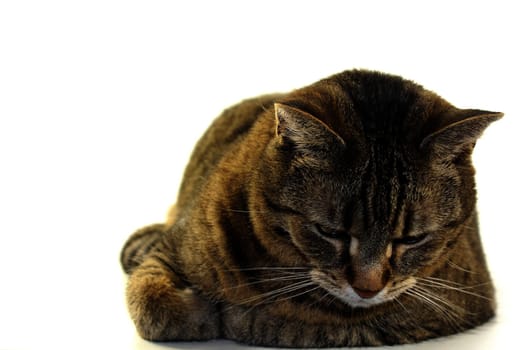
x=312, y=140
x=460, y=134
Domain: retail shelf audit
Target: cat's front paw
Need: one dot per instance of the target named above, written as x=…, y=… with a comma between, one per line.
x=163, y=312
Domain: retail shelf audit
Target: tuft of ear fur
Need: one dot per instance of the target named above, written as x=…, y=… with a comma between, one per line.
x=312, y=140
x=462, y=132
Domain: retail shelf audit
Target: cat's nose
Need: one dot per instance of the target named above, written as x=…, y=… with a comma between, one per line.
x=365, y=293
x=367, y=282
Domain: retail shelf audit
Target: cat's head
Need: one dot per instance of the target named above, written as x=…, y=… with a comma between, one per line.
x=369, y=178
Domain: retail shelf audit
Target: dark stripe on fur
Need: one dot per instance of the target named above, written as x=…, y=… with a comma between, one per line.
x=139, y=245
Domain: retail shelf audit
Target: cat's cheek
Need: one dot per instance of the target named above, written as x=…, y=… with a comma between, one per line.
x=409, y=261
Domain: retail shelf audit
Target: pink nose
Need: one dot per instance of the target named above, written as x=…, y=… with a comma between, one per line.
x=366, y=294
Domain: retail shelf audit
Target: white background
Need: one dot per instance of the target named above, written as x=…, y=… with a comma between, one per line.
x=101, y=103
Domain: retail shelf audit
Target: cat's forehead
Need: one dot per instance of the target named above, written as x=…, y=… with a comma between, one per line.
x=379, y=188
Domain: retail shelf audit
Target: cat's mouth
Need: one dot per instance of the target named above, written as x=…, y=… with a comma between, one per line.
x=342, y=289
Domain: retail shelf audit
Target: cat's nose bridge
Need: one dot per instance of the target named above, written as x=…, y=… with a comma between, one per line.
x=372, y=253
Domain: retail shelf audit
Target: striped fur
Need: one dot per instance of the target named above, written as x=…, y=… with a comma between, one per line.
x=340, y=214
x=138, y=246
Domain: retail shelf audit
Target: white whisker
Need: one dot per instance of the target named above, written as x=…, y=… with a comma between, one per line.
x=439, y=299
x=244, y=211
x=299, y=294
x=441, y=285
x=276, y=292
x=272, y=295
x=457, y=267
x=268, y=280
x=449, y=311
x=271, y=268
x=442, y=280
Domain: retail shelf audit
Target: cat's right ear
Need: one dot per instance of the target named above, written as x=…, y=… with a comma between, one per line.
x=311, y=139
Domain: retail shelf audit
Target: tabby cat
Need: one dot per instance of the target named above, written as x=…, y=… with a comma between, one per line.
x=339, y=214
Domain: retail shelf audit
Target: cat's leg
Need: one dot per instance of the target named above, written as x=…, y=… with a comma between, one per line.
x=163, y=308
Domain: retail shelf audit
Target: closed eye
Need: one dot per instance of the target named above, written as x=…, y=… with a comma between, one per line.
x=329, y=233
x=411, y=240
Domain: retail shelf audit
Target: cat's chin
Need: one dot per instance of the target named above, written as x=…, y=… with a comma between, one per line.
x=351, y=298
x=345, y=292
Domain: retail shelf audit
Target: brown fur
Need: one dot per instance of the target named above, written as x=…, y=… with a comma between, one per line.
x=340, y=214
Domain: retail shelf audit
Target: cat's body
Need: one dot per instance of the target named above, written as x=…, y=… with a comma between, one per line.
x=340, y=214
